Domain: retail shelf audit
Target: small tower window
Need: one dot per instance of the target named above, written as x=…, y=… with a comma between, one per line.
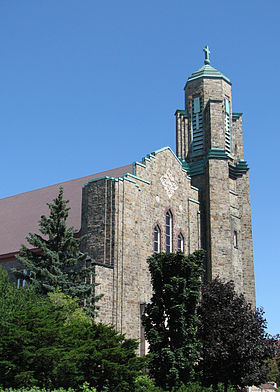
x=156, y=239
x=144, y=344
x=197, y=126
x=180, y=243
x=227, y=127
x=235, y=240
x=168, y=226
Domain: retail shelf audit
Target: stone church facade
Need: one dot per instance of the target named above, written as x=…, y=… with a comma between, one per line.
x=196, y=198
x=125, y=218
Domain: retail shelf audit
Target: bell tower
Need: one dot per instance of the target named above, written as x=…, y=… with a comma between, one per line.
x=210, y=146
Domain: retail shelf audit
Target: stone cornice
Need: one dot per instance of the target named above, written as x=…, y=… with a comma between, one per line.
x=237, y=170
x=195, y=168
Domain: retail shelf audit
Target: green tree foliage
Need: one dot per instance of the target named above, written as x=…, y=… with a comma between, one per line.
x=234, y=342
x=55, y=260
x=98, y=354
x=273, y=364
x=273, y=373
x=83, y=388
x=197, y=387
x=13, y=304
x=144, y=384
x=170, y=319
x=51, y=342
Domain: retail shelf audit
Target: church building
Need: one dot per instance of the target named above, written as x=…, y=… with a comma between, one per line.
x=195, y=198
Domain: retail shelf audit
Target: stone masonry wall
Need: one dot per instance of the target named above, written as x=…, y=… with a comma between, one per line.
x=104, y=277
x=212, y=93
x=217, y=121
x=229, y=212
x=98, y=223
x=225, y=202
x=237, y=139
x=237, y=263
x=219, y=216
x=181, y=135
x=139, y=203
x=98, y=220
x=246, y=243
x=201, y=182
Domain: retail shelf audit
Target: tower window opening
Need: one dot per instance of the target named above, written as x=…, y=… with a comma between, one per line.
x=235, y=242
x=227, y=127
x=197, y=125
x=168, y=228
x=156, y=239
x=180, y=243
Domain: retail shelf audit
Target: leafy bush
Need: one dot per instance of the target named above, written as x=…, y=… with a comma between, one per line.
x=144, y=384
x=196, y=387
x=83, y=388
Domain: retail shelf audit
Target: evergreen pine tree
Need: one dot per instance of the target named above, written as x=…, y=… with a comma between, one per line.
x=55, y=261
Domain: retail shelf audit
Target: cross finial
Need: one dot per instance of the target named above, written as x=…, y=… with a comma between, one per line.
x=207, y=53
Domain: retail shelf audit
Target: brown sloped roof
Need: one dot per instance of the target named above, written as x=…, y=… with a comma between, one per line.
x=20, y=214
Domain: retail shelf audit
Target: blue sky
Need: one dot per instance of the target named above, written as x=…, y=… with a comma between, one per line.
x=88, y=85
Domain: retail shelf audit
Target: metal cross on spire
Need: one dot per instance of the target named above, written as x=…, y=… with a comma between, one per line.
x=207, y=53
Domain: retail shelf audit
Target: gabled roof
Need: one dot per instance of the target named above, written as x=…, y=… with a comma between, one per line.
x=20, y=214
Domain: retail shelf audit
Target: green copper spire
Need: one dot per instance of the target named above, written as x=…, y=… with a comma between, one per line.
x=207, y=53
x=207, y=71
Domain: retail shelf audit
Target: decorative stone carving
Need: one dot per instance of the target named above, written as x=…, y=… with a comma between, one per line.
x=169, y=183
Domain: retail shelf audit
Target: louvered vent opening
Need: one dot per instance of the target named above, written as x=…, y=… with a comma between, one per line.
x=197, y=125
x=227, y=127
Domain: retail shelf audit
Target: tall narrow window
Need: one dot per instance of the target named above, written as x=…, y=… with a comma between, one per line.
x=180, y=243
x=235, y=242
x=144, y=344
x=22, y=282
x=227, y=127
x=168, y=227
x=156, y=239
x=197, y=126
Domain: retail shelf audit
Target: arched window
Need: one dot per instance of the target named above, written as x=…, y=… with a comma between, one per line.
x=168, y=228
x=180, y=243
x=156, y=239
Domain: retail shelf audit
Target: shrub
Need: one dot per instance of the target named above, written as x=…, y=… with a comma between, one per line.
x=144, y=384
x=50, y=342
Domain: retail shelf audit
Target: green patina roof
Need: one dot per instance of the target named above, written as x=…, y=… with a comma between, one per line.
x=207, y=71
x=183, y=112
x=236, y=116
